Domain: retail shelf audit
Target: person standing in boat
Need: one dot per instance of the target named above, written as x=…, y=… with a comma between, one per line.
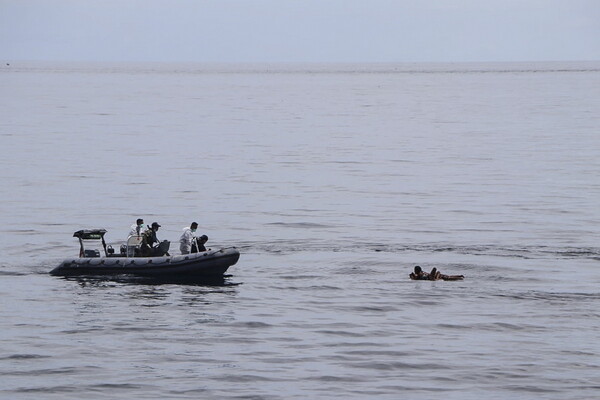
x=148, y=239
x=186, y=239
x=137, y=229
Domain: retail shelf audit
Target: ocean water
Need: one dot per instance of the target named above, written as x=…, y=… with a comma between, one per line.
x=333, y=181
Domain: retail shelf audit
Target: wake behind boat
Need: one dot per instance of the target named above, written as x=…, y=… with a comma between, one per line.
x=212, y=263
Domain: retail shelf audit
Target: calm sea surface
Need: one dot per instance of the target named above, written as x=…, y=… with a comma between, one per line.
x=334, y=181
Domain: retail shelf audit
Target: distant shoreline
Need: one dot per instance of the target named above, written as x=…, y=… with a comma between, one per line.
x=390, y=68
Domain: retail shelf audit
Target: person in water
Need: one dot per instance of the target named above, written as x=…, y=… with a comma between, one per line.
x=137, y=229
x=434, y=275
x=186, y=239
x=419, y=275
x=199, y=244
x=149, y=239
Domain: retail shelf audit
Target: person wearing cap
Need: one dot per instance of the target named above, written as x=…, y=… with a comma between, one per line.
x=148, y=240
x=137, y=229
x=186, y=239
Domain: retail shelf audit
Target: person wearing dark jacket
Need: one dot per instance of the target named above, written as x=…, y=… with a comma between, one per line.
x=198, y=244
x=148, y=249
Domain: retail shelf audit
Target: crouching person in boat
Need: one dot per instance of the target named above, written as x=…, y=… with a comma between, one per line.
x=198, y=244
x=434, y=275
x=149, y=239
x=187, y=238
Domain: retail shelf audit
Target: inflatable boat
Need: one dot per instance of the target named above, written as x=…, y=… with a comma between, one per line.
x=211, y=263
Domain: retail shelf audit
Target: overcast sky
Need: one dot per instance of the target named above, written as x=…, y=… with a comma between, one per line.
x=299, y=30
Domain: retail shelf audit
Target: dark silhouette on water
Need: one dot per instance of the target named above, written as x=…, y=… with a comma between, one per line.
x=419, y=275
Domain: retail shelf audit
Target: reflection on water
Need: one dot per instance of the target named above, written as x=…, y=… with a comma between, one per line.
x=125, y=298
x=106, y=280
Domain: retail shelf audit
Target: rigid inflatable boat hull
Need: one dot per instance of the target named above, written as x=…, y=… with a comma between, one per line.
x=208, y=264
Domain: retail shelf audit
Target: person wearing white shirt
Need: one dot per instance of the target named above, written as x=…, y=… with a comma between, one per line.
x=185, y=241
x=137, y=229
